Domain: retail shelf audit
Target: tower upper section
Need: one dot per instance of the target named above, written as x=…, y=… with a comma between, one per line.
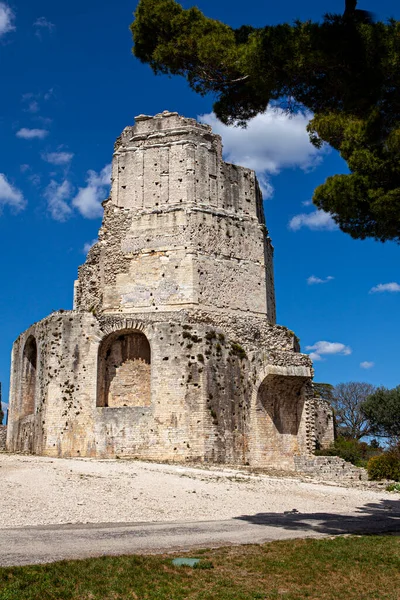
x=181, y=230
x=167, y=160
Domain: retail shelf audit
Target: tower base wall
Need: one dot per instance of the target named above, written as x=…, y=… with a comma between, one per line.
x=226, y=390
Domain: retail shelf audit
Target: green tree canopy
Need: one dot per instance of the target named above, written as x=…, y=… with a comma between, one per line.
x=345, y=69
x=382, y=409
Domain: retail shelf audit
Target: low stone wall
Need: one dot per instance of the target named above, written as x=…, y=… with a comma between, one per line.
x=3, y=435
x=331, y=468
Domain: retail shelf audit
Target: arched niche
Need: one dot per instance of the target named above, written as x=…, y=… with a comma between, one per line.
x=279, y=397
x=278, y=419
x=28, y=379
x=124, y=370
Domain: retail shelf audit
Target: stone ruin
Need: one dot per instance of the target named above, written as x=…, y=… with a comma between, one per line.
x=171, y=351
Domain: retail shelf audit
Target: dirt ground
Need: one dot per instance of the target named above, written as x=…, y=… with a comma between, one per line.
x=40, y=491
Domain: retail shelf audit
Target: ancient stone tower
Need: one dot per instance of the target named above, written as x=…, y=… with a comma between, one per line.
x=171, y=351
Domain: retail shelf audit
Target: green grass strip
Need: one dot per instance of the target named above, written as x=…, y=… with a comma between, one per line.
x=349, y=567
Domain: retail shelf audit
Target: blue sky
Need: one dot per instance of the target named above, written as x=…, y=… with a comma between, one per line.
x=70, y=85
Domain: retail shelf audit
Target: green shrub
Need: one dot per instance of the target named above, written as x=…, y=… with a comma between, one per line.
x=237, y=350
x=393, y=487
x=385, y=466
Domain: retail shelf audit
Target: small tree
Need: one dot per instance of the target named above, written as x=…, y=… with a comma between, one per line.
x=382, y=410
x=347, y=400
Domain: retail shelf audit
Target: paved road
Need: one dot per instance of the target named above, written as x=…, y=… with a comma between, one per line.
x=33, y=545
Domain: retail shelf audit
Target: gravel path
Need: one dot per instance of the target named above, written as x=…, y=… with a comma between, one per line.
x=40, y=491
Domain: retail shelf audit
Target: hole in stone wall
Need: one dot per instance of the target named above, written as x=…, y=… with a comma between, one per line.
x=28, y=382
x=279, y=397
x=279, y=409
x=124, y=370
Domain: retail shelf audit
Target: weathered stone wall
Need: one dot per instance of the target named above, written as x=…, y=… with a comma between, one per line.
x=324, y=424
x=124, y=370
x=182, y=228
x=3, y=437
x=203, y=382
x=171, y=160
x=172, y=351
x=330, y=468
x=279, y=419
x=66, y=361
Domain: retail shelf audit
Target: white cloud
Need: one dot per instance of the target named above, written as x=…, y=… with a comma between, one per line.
x=385, y=287
x=367, y=364
x=30, y=102
x=46, y=121
x=326, y=348
x=271, y=142
x=30, y=134
x=88, y=200
x=6, y=19
x=35, y=179
x=307, y=202
x=58, y=158
x=5, y=407
x=49, y=94
x=315, y=356
x=10, y=195
x=33, y=107
x=33, y=100
x=42, y=24
x=88, y=245
x=266, y=187
x=57, y=195
x=312, y=280
x=317, y=220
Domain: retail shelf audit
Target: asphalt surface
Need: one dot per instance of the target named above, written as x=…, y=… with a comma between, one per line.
x=43, y=544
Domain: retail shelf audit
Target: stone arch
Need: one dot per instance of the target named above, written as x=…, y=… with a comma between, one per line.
x=277, y=416
x=28, y=379
x=117, y=324
x=124, y=370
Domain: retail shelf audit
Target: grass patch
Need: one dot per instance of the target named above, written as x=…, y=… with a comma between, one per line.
x=393, y=487
x=354, y=568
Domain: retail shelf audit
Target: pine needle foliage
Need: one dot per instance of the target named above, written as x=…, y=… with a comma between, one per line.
x=344, y=69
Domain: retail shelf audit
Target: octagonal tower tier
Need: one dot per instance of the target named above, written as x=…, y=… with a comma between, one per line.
x=182, y=228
